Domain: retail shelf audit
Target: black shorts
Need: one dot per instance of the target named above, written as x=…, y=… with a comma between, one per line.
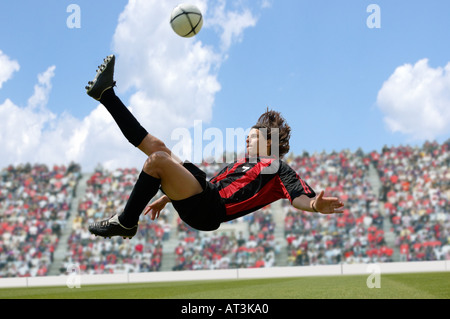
x=205, y=211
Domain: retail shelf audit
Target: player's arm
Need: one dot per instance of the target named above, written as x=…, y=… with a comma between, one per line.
x=319, y=204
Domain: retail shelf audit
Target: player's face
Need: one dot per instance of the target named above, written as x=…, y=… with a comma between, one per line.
x=257, y=144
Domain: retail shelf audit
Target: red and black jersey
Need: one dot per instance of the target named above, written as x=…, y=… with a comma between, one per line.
x=252, y=183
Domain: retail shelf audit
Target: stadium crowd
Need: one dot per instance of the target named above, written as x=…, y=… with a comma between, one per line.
x=416, y=193
x=357, y=235
x=255, y=247
x=106, y=194
x=35, y=202
x=34, y=207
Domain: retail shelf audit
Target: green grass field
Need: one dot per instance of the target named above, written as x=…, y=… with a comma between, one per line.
x=393, y=286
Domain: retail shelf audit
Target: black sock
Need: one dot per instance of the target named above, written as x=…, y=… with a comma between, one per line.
x=144, y=190
x=126, y=121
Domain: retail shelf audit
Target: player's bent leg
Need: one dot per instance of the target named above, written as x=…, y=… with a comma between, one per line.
x=176, y=181
x=126, y=224
x=112, y=227
x=160, y=169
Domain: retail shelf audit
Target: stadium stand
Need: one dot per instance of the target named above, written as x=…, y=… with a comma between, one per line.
x=416, y=192
x=34, y=206
x=355, y=236
x=106, y=194
x=397, y=209
x=231, y=247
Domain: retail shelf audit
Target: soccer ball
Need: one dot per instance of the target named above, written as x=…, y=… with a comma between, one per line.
x=186, y=20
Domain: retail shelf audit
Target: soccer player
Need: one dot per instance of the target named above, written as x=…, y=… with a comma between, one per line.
x=240, y=188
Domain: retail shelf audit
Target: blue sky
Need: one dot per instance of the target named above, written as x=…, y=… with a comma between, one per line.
x=339, y=83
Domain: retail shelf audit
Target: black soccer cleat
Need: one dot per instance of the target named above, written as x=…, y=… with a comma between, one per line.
x=104, y=79
x=111, y=227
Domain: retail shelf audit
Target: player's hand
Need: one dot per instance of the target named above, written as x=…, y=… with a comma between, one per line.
x=328, y=205
x=155, y=208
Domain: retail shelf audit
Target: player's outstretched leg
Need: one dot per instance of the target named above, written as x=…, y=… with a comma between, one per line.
x=102, y=89
x=104, y=79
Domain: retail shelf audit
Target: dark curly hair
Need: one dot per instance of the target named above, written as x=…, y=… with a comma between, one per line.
x=274, y=120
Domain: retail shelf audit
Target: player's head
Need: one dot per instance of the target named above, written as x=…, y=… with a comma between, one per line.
x=269, y=135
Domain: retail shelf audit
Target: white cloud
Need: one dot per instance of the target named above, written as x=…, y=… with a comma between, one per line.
x=34, y=134
x=22, y=127
x=232, y=23
x=416, y=101
x=172, y=81
x=266, y=4
x=175, y=79
x=42, y=90
x=7, y=68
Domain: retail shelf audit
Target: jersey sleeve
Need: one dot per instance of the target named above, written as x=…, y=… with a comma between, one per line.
x=294, y=185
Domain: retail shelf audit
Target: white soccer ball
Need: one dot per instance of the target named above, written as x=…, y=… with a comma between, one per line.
x=186, y=20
